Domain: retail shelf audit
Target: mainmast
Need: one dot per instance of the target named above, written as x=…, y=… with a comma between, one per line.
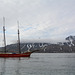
x=4, y=34
x=19, y=38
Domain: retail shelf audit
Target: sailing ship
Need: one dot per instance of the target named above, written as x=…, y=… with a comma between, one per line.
x=19, y=54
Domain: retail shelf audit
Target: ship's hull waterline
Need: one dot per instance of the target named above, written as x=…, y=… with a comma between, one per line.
x=27, y=54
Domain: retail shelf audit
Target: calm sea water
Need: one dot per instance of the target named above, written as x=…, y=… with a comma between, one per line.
x=39, y=64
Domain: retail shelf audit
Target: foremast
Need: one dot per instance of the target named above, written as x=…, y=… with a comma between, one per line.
x=19, y=39
x=4, y=34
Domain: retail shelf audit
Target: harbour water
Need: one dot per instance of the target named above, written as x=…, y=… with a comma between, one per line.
x=39, y=64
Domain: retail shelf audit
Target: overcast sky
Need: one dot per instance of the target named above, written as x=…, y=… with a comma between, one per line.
x=48, y=20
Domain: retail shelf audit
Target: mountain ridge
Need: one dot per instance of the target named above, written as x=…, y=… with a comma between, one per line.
x=61, y=47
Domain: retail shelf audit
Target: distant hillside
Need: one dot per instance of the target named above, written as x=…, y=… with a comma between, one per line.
x=61, y=47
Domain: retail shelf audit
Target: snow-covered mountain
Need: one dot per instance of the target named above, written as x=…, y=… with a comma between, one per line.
x=70, y=41
x=62, y=47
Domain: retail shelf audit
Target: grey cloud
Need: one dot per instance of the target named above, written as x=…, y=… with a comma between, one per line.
x=48, y=18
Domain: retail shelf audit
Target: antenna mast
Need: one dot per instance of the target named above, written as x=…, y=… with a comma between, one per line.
x=4, y=34
x=18, y=37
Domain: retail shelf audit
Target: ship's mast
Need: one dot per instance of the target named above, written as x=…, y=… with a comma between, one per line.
x=19, y=38
x=4, y=34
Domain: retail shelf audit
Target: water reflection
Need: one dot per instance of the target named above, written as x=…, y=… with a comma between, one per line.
x=39, y=64
x=11, y=66
x=3, y=67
